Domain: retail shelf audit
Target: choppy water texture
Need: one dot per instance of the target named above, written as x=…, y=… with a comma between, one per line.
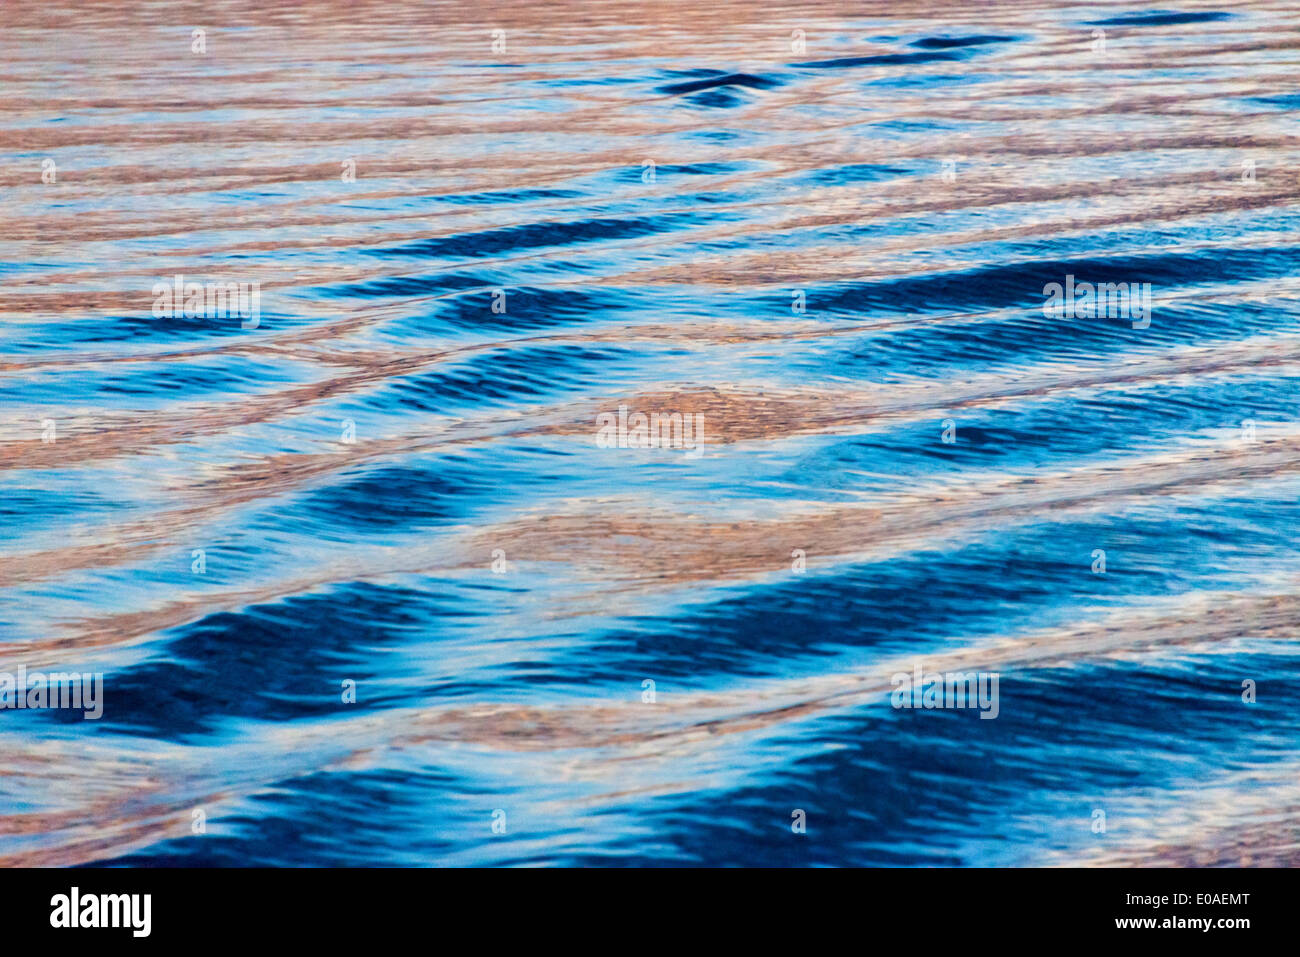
x=198, y=526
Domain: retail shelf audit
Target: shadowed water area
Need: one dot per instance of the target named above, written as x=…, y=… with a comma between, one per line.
x=822, y=230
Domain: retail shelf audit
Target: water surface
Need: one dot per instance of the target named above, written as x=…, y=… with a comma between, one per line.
x=826, y=228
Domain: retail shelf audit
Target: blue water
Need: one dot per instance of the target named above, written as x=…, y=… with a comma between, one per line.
x=364, y=583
